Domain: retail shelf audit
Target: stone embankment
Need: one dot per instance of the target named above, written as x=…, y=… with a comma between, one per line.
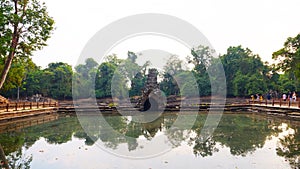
x=272, y=107
x=17, y=115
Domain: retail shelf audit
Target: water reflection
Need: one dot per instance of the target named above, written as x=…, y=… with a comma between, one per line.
x=289, y=146
x=241, y=134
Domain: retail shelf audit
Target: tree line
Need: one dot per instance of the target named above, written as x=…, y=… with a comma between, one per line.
x=245, y=73
x=25, y=27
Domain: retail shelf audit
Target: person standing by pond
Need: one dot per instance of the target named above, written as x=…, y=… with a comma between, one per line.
x=294, y=97
x=257, y=97
x=269, y=96
x=284, y=97
x=290, y=96
x=261, y=98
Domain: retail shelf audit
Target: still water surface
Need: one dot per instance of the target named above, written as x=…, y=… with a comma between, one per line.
x=240, y=141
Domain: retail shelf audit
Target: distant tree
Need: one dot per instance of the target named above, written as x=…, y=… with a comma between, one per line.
x=286, y=83
x=84, y=78
x=137, y=84
x=174, y=65
x=129, y=67
x=16, y=78
x=288, y=58
x=104, y=77
x=172, y=68
x=58, y=78
x=245, y=72
x=117, y=76
x=245, y=85
x=189, y=84
x=131, y=56
x=25, y=27
x=34, y=83
x=169, y=85
x=84, y=69
x=273, y=79
x=201, y=59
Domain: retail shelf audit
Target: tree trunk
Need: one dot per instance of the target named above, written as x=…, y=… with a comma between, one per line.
x=3, y=160
x=13, y=46
x=18, y=94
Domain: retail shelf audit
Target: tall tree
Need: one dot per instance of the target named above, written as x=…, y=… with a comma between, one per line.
x=18, y=73
x=288, y=58
x=137, y=84
x=34, y=82
x=104, y=81
x=133, y=73
x=16, y=78
x=84, y=78
x=244, y=71
x=25, y=27
x=201, y=59
x=59, y=80
x=172, y=69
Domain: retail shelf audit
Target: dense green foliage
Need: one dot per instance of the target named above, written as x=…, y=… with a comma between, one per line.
x=25, y=26
x=172, y=68
x=55, y=81
x=245, y=74
x=288, y=60
x=82, y=79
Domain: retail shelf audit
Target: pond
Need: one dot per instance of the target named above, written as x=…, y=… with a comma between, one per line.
x=240, y=141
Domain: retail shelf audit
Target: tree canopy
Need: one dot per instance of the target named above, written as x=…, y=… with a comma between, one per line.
x=246, y=74
x=25, y=26
x=288, y=58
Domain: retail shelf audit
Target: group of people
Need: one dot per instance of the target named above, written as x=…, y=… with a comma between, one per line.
x=257, y=97
x=285, y=97
x=291, y=97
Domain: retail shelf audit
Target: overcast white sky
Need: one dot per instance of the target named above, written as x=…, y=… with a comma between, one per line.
x=261, y=25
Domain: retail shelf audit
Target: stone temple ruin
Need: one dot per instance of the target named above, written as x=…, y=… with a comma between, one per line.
x=152, y=98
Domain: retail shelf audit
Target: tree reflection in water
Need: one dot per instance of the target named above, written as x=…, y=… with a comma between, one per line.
x=204, y=148
x=289, y=147
x=242, y=134
x=12, y=144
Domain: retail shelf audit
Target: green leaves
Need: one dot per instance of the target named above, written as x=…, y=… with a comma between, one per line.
x=54, y=81
x=83, y=79
x=34, y=25
x=104, y=77
x=245, y=73
x=288, y=57
x=25, y=26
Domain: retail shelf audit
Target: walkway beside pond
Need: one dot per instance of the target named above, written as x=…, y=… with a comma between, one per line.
x=287, y=109
x=17, y=110
x=276, y=103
